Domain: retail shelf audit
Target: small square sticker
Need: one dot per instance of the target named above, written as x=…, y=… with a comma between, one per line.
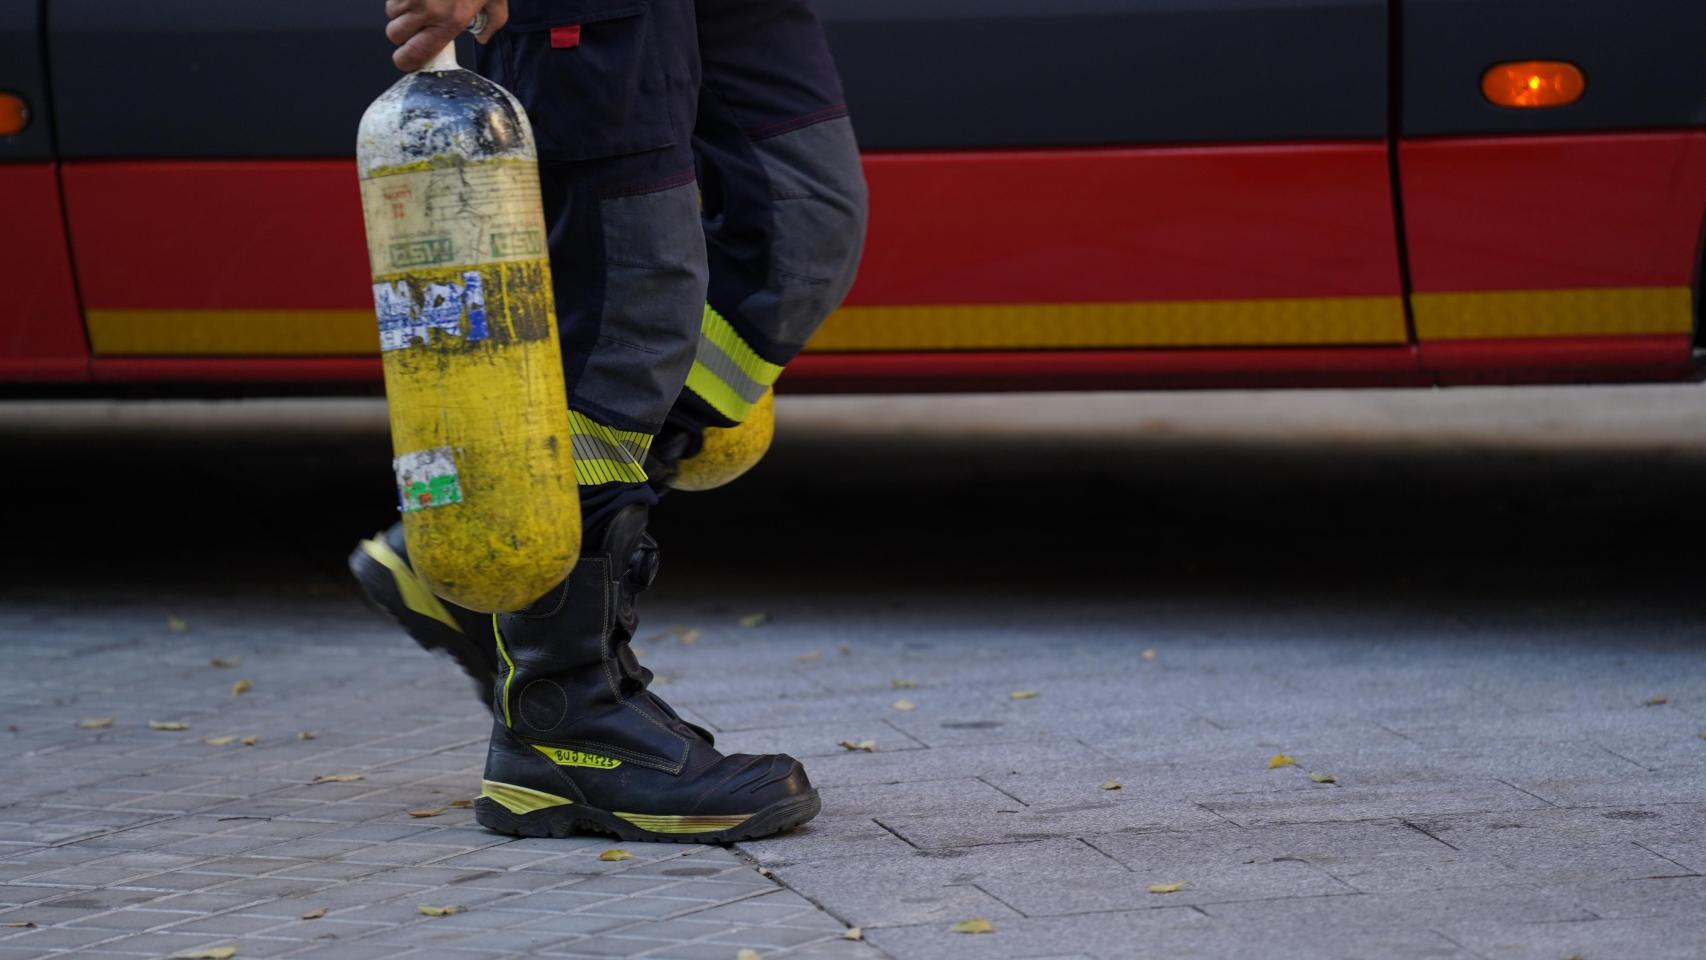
x=426, y=479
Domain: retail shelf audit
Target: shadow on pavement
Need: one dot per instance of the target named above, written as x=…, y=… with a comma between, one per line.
x=259, y=500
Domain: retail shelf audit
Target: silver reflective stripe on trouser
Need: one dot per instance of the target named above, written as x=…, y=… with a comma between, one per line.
x=604, y=454
x=728, y=374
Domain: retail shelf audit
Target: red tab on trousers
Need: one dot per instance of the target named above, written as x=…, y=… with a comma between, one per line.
x=569, y=36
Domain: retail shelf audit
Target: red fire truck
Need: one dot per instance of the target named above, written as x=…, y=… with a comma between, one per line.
x=1065, y=193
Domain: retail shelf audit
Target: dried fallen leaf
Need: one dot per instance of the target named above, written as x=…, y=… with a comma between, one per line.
x=1111, y=785
x=462, y=804
x=974, y=925
x=307, y=735
x=689, y=636
x=1703, y=733
x=177, y=624
x=869, y=746
x=314, y=914
x=225, y=663
x=809, y=657
x=338, y=778
x=219, y=741
x=1166, y=887
x=95, y=723
x=612, y=855
x=903, y=684
x=18, y=923
x=241, y=687
x=1149, y=654
x=905, y=705
x=438, y=911
x=423, y=814
x=755, y=620
x=1657, y=701
x=747, y=953
x=167, y=725
x=208, y=953
x=853, y=933
x=764, y=872
x=846, y=650
x=251, y=740
x=1023, y=694
x=1323, y=778
x=1281, y=760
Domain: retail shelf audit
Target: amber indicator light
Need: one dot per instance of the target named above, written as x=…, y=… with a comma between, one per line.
x=1528, y=84
x=14, y=114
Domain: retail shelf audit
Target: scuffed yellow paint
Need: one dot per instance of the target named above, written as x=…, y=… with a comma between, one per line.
x=731, y=451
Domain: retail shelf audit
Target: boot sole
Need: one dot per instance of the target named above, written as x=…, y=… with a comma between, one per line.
x=378, y=582
x=570, y=819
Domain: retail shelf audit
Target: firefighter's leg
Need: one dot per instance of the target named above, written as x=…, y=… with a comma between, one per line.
x=784, y=212
x=611, y=103
x=578, y=739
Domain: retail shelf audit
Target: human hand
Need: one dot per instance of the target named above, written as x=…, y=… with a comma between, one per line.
x=422, y=28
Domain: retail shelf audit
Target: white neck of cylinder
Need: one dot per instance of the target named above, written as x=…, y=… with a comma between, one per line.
x=446, y=60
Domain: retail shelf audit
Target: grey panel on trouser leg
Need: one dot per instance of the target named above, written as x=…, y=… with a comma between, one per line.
x=654, y=295
x=817, y=198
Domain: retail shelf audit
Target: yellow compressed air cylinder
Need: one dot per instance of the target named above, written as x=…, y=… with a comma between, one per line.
x=468, y=336
x=728, y=452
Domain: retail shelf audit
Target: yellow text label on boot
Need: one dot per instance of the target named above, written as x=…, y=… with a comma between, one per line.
x=565, y=757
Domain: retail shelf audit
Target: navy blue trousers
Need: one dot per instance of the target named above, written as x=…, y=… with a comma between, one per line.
x=705, y=206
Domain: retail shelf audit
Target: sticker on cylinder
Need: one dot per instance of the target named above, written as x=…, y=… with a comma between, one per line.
x=413, y=313
x=427, y=478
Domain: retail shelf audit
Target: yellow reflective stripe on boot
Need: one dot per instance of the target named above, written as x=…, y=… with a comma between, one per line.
x=415, y=594
x=666, y=823
x=520, y=799
x=604, y=454
x=509, y=667
x=727, y=373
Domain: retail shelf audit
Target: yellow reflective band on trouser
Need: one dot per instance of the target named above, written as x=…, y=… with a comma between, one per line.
x=520, y=799
x=415, y=594
x=665, y=823
x=728, y=374
x=605, y=454
x=565, y=757
x=509, y=667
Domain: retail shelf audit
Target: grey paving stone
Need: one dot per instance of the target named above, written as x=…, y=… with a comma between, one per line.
x=852, y=836
x=993, y=761
x=1209, y=873
x=1137, y=934
x=1355, y=802
x=922, y=887
x=1112, y=810
x=55, y=938
x=1648, y=939
x=1633, y=899
x=348, y=951
x=605, y=946
x=810, y=740
x=1549, y=849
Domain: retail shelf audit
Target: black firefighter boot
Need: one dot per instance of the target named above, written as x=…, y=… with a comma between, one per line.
x=381, y=568
x=579, y=742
